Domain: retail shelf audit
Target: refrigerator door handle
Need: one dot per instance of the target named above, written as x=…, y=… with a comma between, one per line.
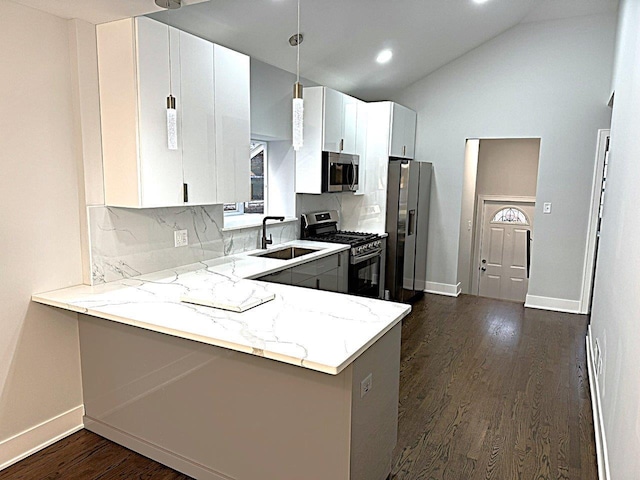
x=412, y=222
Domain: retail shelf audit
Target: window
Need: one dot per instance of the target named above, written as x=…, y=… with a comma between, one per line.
x=510, y=215
x=257, y=204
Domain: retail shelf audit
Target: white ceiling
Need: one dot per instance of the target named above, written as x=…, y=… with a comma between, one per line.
x=97, y=11
x=343, y=37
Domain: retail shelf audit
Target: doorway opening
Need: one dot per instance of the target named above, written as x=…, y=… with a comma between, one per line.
x=497, y=219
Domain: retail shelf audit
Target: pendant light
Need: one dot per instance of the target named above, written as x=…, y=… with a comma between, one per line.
x=172, y=114
x=298, y=105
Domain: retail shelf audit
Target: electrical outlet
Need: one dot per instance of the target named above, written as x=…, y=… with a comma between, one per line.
x=365, y=385
x=180, y=238
x=546, y=207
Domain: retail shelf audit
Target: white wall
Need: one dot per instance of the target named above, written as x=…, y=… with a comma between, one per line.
x=281, y=179
x=615, y=318
x=271, y=94
x=548, y=80
x=40, y=234
x=467, y=216
x=271, y=110
x=508, y=167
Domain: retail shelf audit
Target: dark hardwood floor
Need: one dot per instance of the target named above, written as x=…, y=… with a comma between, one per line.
x=488, y=389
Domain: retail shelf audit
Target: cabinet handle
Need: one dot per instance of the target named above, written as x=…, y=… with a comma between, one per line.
x=404, y=150
x=339, y=259
x=317, y=284
x=341, y=144
x=185, y=192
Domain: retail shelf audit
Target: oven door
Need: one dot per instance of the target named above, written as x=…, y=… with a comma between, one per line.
x=364, y=275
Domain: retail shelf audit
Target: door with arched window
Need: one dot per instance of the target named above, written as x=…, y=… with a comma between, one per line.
x=503, y=270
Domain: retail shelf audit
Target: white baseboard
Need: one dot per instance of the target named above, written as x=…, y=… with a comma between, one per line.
x=443, y=289
x=155, y=452
x=25, y=443
x=602, y=452
x=554, y=304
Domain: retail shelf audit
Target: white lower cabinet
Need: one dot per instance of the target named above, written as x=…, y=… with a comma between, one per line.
x=210, y=84
x=327, y=281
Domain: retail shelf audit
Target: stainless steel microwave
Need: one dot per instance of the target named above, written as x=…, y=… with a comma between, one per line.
x=340, y=172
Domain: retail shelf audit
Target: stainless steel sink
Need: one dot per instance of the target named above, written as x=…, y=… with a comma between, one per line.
x=286, y=253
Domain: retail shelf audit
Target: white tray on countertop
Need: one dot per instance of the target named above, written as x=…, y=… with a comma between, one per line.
x=235, y=297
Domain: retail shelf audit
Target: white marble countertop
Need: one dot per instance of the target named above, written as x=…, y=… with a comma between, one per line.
x=319, y=330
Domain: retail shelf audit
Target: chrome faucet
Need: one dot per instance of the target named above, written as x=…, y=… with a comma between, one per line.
x=268, y=241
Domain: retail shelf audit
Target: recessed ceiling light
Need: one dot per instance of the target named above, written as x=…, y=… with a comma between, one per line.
x=480, y=2
x=384, y=56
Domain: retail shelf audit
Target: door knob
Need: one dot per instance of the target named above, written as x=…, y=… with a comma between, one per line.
x=484, y=269
x=484, y=261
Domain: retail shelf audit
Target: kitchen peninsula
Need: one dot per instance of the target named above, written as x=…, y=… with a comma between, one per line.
x=302, y=386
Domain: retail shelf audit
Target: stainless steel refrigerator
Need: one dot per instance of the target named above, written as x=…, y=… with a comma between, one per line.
x=408, y=192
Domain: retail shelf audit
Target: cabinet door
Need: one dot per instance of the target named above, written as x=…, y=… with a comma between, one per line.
x=311, y=282
x=160, y=174
x=302, y=273
x=342, y=272
x=403, y=132
x=333, y=117
x=349, y=124
x=397, y=143
x=327, y=281
x=198, y=132
x=361, y=145
x=232, y=124
x=410, y=133
x=283, y=277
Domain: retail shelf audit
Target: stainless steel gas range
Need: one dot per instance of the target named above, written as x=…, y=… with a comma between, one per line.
x=367, y=255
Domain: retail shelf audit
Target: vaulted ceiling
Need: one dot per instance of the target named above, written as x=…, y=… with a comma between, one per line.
x=343, y=37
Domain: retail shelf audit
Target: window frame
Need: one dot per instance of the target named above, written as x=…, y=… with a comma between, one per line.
x=257, y=147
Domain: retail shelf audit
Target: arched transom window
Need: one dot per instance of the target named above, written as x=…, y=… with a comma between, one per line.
x=510, y=215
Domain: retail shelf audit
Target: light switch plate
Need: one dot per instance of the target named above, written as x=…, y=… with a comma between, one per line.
x=546, y=207
x=180, y=238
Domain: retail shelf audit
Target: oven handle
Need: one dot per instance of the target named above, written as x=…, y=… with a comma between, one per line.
x=356, y=260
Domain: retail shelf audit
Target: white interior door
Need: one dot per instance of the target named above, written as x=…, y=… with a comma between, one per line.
x=503, y=250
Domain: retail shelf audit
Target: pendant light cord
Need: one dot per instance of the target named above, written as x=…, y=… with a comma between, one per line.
x=298, y=48
x=169, y=40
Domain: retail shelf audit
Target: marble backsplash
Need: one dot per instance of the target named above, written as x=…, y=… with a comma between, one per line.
x=362, y=213
x=130, y=242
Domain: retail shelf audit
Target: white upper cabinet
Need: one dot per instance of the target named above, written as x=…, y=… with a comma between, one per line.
x=233, y=125
x=136, y=75
x=362, y=119
x=161, y=181
x=198, y=125
x=403, y=132
x=333, y=122
x=339, y=122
